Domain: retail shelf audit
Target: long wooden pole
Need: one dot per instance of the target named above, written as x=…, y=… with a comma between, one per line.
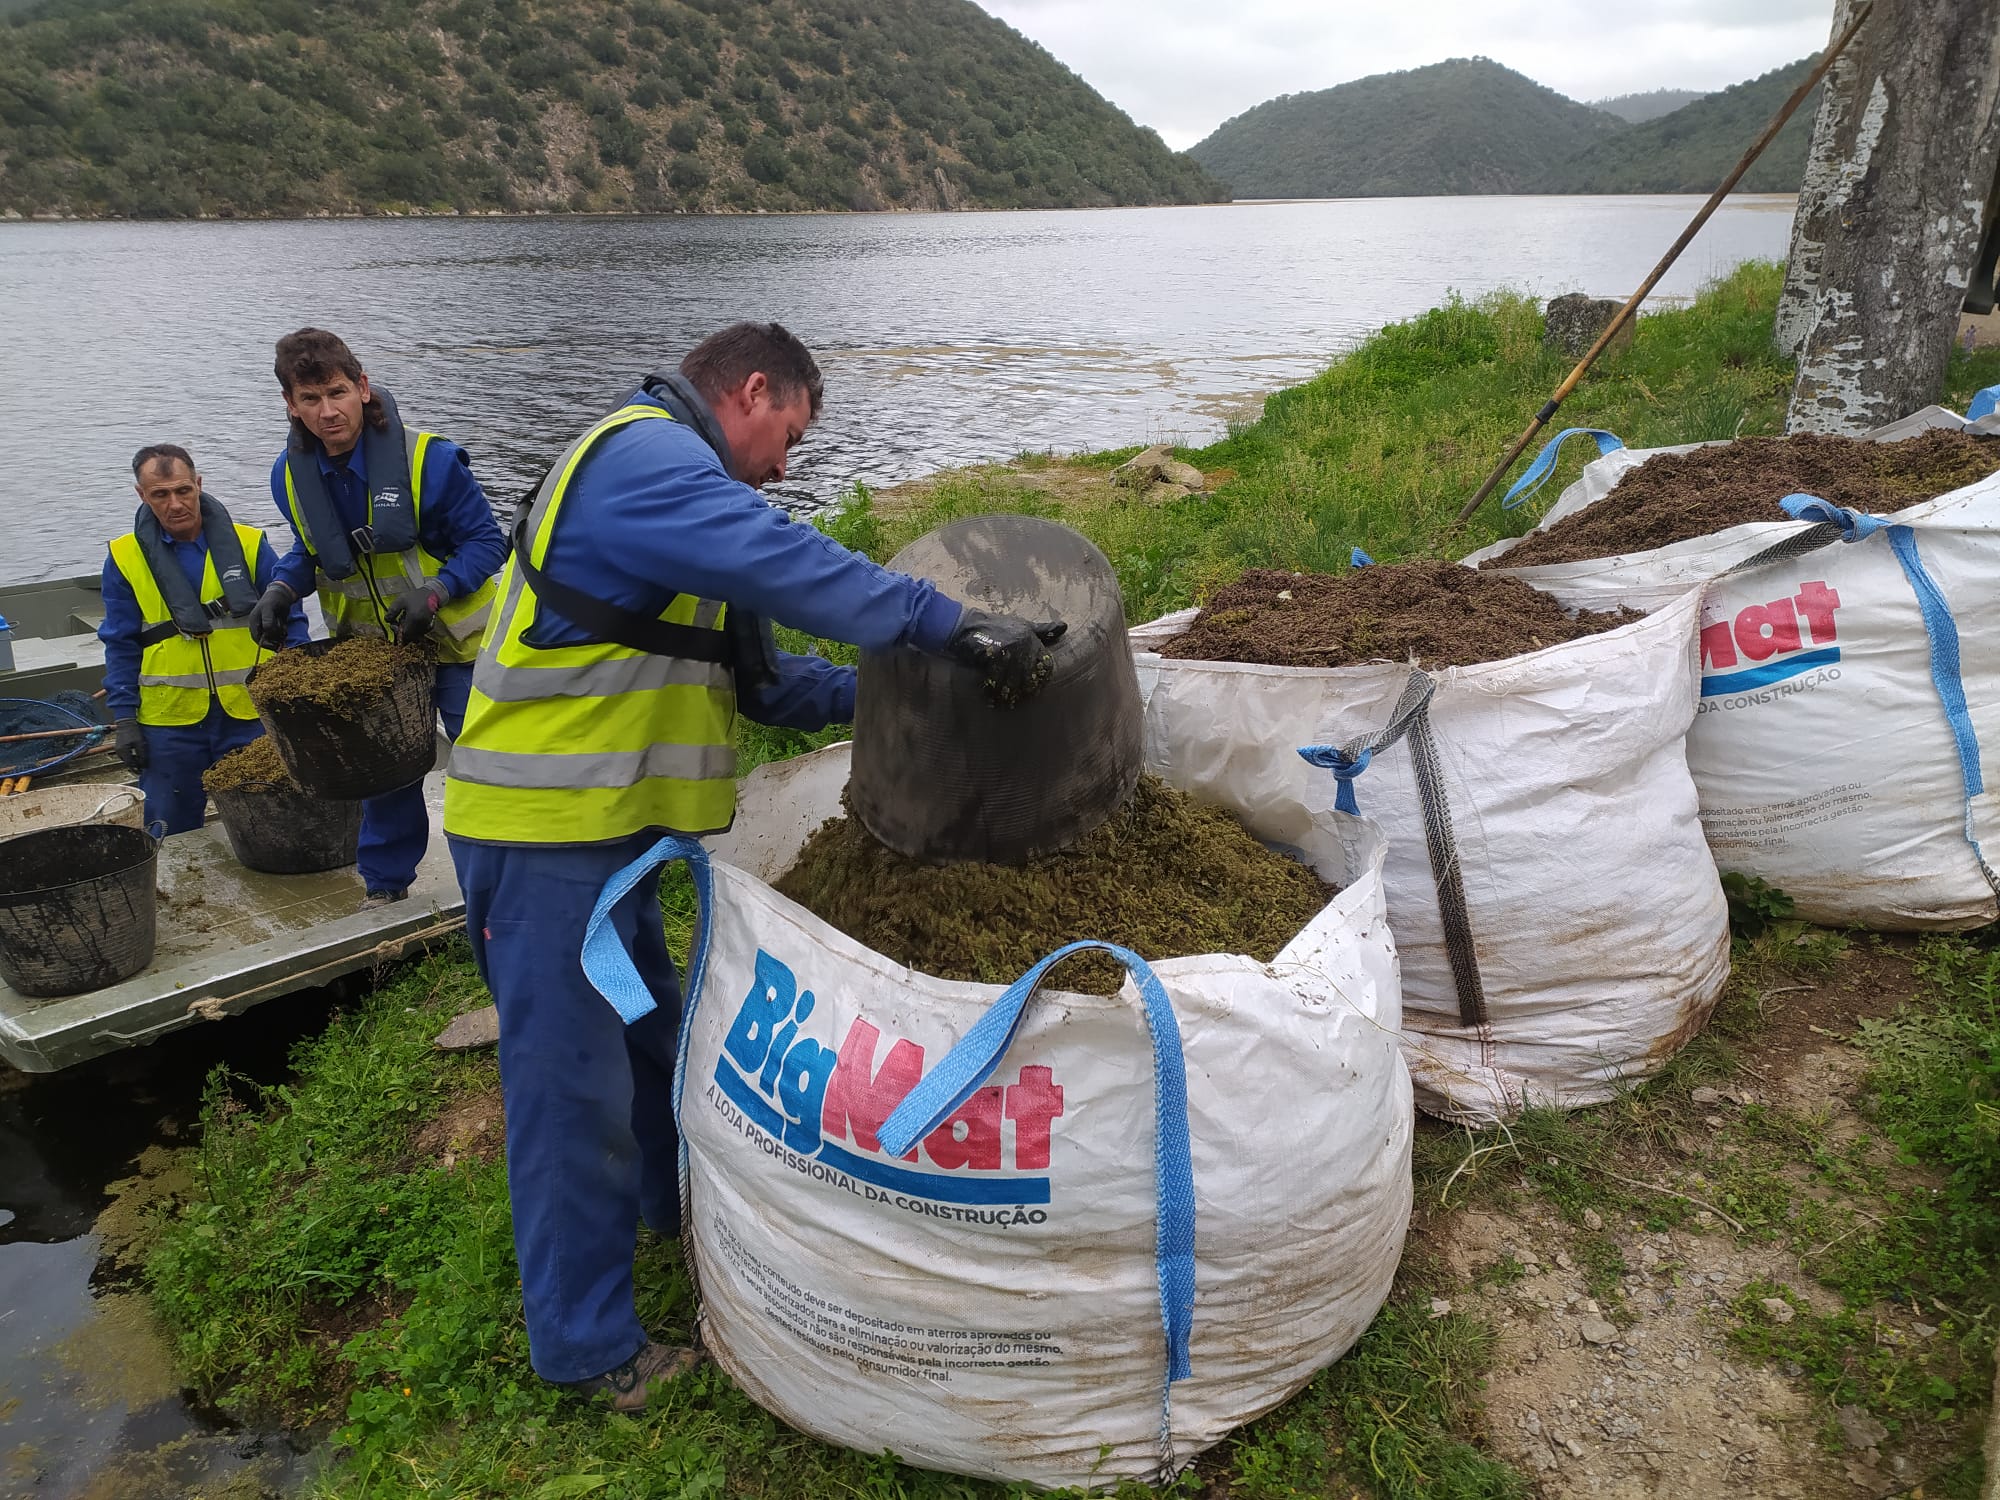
x=1631, y=306
x=54, y=734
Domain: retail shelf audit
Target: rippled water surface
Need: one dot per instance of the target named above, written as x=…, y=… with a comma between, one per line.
x=945, y=338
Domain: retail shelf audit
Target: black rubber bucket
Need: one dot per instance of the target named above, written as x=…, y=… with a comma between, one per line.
x=77, y=908
x=942, y=774
x=383, y=741
x=280, y=831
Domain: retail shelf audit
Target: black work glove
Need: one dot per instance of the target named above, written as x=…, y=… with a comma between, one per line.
x=1009, y=652
x=271, y=616
x=131, y=744
x=414, y=612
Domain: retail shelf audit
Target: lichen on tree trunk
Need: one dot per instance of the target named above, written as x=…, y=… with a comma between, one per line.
x=1816, y=194
x=1911, y=146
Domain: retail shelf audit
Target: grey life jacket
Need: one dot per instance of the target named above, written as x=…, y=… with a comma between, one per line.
x=236, y=574
x=391, y=525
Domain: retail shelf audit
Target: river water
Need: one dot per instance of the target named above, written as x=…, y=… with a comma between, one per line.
x=945, y=338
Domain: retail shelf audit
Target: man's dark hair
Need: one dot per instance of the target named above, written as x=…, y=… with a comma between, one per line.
x=723, y=361
x=152, y=453
x=312, y=356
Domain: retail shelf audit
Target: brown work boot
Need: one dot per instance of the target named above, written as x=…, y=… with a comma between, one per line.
x=627, y=1387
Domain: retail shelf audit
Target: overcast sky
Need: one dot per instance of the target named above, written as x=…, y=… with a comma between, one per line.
x=1185, y=66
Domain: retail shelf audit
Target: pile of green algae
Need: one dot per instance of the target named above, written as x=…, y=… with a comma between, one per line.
x=1165, y=876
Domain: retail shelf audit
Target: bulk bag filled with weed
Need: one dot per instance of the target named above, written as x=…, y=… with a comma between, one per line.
x=1850, y=680
x=1019, y=1232
x=1560, y=924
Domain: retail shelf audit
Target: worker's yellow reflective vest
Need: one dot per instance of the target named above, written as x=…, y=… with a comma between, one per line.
x=590, y=743
x=177, y=673
x=355, y=605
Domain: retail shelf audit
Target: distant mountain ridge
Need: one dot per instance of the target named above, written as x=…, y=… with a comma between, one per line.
x=1690, y=150
x=1637, y=109
x=1467, y=125
x=1472, y=126
x=176, y=108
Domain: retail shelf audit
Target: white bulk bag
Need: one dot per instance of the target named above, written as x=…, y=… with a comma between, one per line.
x=1846, y=692
x=1134, y=1221
x=1560, y=923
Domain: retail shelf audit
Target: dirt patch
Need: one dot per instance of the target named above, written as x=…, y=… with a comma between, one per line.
x=470, y=1128
x=251, y=765
x=1436, y=613
x=1165, y=876
x=345, y=682
x=1677, y=496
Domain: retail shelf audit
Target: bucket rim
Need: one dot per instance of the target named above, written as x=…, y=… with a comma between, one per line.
x=23, y=897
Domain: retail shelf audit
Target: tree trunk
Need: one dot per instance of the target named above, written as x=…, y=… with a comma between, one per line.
x=1816, y=190
x=1916, y=146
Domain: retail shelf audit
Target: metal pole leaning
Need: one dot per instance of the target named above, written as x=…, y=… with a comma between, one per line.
x=1631, y=306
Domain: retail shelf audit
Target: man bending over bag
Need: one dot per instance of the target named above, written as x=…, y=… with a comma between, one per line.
x=629, y=631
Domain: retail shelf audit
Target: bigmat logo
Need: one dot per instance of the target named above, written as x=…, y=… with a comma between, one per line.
x=826, y=1106
x=1769, y=636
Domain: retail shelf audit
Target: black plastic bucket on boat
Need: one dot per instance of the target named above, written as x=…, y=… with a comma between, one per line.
x=280, y=831
x=383, y=741
x=941, y=773
x=77, y=908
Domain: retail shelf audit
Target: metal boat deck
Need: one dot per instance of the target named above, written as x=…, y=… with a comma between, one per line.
x=230, y=938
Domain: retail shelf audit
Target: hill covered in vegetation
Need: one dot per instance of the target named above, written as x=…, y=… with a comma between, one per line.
x=1690, y=150
x=1636, y=109
x=251, y=107
x=1464, y=126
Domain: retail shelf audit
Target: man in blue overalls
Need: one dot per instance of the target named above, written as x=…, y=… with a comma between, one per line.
x=390, y=525
x=630, y=633
x=178, y=591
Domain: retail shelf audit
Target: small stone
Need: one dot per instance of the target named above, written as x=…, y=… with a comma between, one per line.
x=1778, y=1310
x=1440, y=1306
x=1924, y=1330
x=1531, y=1422
x=1285, y=594
x=1859, y=1429
x=1575, y=1448
x=1175, y=472
x=471, y=1031
x=1713, y=1122
x=1592, y=1220
x=1706, y=1096
x=1597, y=1331
x=1564, y=1261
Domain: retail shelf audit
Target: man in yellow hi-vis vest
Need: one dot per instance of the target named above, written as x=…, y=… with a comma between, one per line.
x=627, y=636
x=391, y=527
x=178, y=592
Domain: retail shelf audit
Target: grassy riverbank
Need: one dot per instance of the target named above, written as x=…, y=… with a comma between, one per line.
x=344, y=1256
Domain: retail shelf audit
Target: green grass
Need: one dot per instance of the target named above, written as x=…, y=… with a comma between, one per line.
x=327, y=1269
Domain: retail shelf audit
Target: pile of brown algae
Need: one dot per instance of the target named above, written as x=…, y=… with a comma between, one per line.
x=341, y=682
x=1438, y=614
x=251, y=767
x=1166, y=876
x=1675, y=497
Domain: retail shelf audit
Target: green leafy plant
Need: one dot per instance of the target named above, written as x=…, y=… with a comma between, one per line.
x=1754, y=904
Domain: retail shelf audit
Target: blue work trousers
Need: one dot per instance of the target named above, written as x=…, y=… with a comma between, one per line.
x=177, y=754
x=396, y=826
x=591, y=1142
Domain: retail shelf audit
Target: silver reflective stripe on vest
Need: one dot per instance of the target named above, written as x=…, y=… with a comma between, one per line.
x=197, y=680
x=608, y=769
x=599, y=679
x=473, y=624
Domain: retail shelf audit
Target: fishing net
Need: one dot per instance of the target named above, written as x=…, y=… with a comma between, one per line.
x=68, y=724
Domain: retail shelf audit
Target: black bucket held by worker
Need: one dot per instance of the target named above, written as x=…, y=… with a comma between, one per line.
x=376, y=738
x=77, y=908
x=281, y=831
x=940, y=771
